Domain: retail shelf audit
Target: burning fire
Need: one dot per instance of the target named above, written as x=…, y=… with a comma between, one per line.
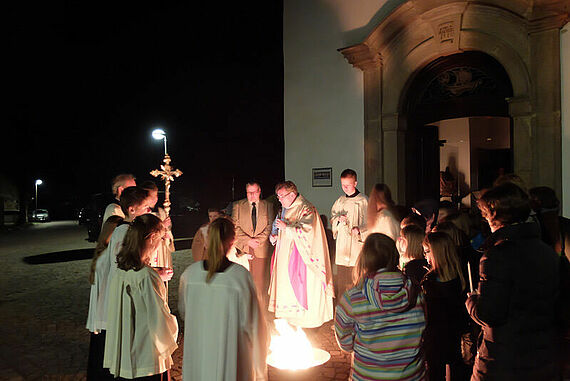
x=291, y=349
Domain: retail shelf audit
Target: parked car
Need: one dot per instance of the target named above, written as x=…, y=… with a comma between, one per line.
x=40, y=215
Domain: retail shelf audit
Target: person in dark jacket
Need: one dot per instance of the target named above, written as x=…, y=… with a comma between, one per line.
x=447, y=319
x=515, y=300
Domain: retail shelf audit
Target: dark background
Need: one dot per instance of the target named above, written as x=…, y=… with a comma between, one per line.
x=88, y=81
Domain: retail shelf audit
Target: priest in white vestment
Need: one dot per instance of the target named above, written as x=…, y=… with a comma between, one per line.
x=301, y=288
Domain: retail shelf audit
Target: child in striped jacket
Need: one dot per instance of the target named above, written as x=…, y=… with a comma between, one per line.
x=381, y=319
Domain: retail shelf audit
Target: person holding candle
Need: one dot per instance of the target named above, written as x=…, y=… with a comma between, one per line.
x=516, y=298
x=444, y=287
x=468, y=257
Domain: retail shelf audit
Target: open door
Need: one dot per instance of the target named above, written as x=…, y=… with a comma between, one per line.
x=422, y=164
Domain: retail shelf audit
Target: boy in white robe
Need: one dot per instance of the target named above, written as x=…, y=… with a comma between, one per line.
x=348, y=219
x=162, y=257
x=134, y=203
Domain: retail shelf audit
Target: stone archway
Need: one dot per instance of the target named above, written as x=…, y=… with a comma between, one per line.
x=523, y=36
x=462, y=85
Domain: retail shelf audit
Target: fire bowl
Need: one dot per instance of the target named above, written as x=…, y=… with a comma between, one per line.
x=320, y=358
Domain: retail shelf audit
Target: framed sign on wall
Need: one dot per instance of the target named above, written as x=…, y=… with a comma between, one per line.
x=322, y=177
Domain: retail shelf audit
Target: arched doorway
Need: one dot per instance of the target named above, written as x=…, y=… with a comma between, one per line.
x=449, y=90
x=416, y=35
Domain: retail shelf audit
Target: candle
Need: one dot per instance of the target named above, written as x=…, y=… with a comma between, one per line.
x=470, y=278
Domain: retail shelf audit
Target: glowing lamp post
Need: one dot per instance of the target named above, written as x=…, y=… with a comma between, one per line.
x=158, y=134
x=38, y=182
x=166, y=172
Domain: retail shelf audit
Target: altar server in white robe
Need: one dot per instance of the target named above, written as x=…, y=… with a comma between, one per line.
x=141, y=331
x=225, y=337
x=96, y=319
x=162, y=257
x=134, y=202
x=348, y=221
x=301, y=288
x=382, y=216
x=119, y=183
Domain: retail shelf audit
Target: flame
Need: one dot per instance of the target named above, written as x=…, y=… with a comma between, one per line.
x=291, y=349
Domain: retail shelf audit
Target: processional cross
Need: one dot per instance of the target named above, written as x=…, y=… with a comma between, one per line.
x=167, y=174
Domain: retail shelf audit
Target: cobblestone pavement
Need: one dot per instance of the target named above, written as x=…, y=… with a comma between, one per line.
x=43, y=308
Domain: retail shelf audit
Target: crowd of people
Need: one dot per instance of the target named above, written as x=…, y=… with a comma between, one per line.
x=430, y=293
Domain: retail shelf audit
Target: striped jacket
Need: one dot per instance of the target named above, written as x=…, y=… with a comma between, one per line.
x=376, y=323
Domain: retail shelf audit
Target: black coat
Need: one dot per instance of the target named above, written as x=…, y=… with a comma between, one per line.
x=446, y=316
x=415, y=270
x=518, y=287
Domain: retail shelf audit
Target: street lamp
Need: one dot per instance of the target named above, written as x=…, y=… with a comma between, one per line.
x=38, y=182
x=158, y=134
x=166, y=172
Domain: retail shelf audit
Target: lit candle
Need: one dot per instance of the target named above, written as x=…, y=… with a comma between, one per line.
x=470, y=278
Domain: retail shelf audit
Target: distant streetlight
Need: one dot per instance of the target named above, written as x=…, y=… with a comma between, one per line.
x=38, y=182
x=158, y=134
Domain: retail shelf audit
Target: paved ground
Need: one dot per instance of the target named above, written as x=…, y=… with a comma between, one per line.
x=44, y=301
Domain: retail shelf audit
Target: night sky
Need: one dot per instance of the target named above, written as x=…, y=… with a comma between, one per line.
x=88, y=81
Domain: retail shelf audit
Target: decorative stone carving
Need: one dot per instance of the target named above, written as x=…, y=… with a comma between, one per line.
x=446, y=33
x=547, y=23
x=362, y=57
x=457, y=82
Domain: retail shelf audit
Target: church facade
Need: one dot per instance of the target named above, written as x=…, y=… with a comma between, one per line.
x=400, y=90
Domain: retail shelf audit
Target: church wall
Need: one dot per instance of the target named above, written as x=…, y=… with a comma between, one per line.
x=565, y=109
x=323, y=96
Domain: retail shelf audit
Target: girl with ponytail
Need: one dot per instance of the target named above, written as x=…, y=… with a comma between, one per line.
x=223, y=319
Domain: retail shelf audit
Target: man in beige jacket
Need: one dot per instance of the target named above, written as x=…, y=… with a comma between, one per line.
x=253, y=218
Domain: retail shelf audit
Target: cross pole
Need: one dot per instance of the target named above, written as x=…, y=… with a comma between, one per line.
x=167, y=174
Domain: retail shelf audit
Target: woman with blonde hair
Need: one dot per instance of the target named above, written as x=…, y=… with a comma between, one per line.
x=96, y=317
x=381, y=319
x=141, y=331
x=224, y=334
x=382, y=216
x=447, y=318
x=412, y=260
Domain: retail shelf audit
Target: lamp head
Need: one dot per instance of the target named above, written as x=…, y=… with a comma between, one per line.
x=39, y=182
x=158, y=134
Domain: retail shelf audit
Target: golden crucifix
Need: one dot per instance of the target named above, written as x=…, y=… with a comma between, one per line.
x=167, y=174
